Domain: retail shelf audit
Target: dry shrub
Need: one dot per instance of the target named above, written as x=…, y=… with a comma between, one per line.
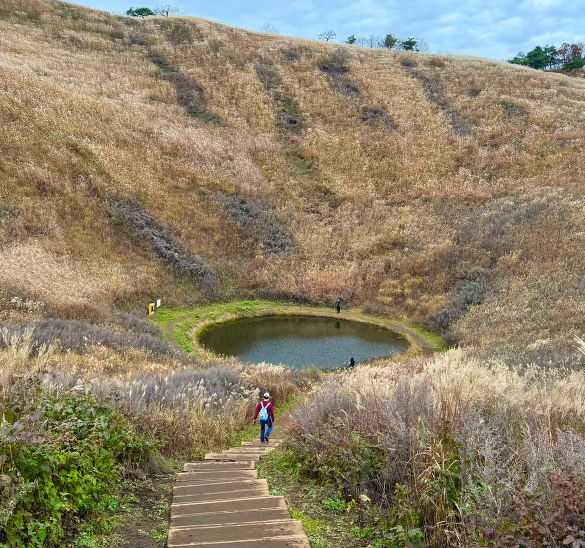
x=192, y=407
x=464, y=437
x=68, y=287
x=163, y=242
x=436, y=62
x=378, y=116
x=191, y=97
x=514, y=113
x=16, y=357
x=336, y=63
x=76, y=336
x=257, y=221
x=290, y=54
x=288, y=114
x=336, y=66
x=468, y=292
x=461, y=126
x=135, y=324
x=280, y=381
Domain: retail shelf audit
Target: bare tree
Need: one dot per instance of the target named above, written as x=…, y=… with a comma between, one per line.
x=375, y=41
x=167, y=9
x=422, y=45
x=372, y=41
x=327, y=36
x=270, y=28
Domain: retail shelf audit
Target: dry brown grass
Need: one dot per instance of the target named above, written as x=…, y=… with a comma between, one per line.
x=189, y=407
x=390, y=214
x=465, y=437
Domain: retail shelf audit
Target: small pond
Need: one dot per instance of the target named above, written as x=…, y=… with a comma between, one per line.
x=301, y=341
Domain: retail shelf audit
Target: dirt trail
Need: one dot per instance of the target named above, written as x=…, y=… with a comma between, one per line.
x=169, y=333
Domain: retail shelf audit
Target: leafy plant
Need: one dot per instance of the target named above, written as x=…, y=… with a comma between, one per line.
x=533, y=524
x=75, y=465
x=336, y=504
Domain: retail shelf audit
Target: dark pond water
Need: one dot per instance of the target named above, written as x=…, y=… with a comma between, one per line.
x=301, y=341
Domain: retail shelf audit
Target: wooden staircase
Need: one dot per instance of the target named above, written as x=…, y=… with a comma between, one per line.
x=219, y=502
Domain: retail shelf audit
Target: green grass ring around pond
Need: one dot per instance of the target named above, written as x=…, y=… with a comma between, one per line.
x=184, y=327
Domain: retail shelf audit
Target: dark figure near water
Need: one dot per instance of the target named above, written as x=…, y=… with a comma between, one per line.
x=337, y=306
x=352, y=363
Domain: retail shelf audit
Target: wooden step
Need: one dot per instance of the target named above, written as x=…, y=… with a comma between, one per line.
x=191, y=477
x=245, y=452
x=225, y=472
x=249, y=449
x=253, y=491
x=229, y=533
x=232, y=457
x=218, y=465
x=296, y=541
x=217, y=486
x=229, y=505
x=259, y=516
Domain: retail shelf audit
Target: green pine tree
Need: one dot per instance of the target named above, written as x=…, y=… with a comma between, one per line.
x=410, y=44
x=537, y=58
x=390, y=41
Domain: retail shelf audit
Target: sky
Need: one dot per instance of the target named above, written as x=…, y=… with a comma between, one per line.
x=497, y=29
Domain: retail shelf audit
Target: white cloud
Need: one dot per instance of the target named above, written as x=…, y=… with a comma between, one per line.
x=497, y=29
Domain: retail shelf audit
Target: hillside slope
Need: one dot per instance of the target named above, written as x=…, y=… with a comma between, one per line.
x=181, y=158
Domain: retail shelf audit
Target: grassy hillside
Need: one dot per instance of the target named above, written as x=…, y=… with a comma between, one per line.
x=182, y=159
x=185, y=159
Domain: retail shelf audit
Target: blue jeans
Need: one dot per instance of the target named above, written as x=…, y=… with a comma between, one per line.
x=263, y=425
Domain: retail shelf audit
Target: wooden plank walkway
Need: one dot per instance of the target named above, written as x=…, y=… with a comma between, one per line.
x=219, y=502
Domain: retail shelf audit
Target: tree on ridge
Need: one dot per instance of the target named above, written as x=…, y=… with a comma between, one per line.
x=167, y=9
x=139, y=12
x=327, y=36
x=390, y=41
x=567, y=57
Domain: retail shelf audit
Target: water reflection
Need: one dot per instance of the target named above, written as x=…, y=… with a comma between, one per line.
x=300, y=341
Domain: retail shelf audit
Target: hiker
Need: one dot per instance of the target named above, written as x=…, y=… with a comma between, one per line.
x=352, y=363
x=265, y=412
x=337, y=306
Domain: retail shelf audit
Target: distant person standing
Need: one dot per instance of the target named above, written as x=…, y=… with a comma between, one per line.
x=265, y=412
x=352, y=363
x=337, y=306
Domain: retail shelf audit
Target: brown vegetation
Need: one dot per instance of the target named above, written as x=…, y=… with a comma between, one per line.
x=182, y=159
x=73, y=425
x=394, y=174
x=189, y=407
x=461, y=452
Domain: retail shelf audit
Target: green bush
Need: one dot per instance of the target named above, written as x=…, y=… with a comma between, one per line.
x=67, y=469
x=574, y=64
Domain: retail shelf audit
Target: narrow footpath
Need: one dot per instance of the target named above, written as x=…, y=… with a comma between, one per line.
x=219, y=502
